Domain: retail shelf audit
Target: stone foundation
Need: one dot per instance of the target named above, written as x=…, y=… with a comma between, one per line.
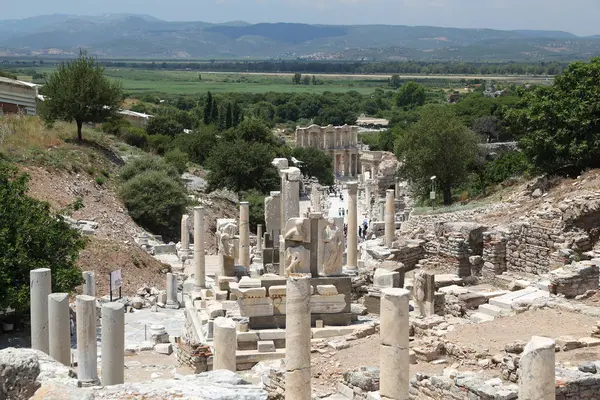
x=575, y=279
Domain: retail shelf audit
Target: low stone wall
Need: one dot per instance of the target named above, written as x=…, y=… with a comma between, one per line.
x=193, y=356
x=575, y=279
x=461, y=387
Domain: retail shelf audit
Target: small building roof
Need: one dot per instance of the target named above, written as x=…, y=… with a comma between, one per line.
x=135, y=114
x=17, y=82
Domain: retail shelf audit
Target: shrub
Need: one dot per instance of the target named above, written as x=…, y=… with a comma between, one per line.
x=31, y=237
x=100, y=180
x=159, y=144
x=134, y=137
x=147, y=163
x=156, y=202
x=508, y=165
x=177, y=159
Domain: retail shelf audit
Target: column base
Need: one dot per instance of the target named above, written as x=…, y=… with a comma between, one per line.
x=349, y=270
x=90, y=382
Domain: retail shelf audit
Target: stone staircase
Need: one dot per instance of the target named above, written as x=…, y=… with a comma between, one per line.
x=503, y=304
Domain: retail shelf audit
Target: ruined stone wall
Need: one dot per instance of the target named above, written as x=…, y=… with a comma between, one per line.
x=575, y=279
x=193, y=356
x=409, y=253
x=531, y=247
x=494, y=253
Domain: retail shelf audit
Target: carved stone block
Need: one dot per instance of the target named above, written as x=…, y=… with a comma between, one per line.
x=297, y=260
x=298, y=230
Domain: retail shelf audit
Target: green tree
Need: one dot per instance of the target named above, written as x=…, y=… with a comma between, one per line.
x=315, y=163
x=562, y=122
x=395, y=81
x=164, y=125
x=214, y=111
x=156, y=202
x=438, y=145
x=32, y=238
x=178, y=159
x=306, y=80
x=253, y=130
x=410, y=95
x=147, y=163
x=297, y=78
x=78, y=91
x=229, y=116
x=242, y=166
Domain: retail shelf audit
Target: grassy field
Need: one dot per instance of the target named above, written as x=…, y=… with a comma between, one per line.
x=137, y=82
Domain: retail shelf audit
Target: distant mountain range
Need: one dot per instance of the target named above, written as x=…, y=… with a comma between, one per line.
x=141, y=36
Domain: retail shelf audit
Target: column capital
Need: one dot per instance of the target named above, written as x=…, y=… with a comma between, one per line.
x=352, y=187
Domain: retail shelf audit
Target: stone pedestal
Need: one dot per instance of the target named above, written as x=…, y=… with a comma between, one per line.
x=536, y=370
x=394, y=349
x=40, y=287
x=199, y=257
x=352, y=252
x=87, y=347
x=297, y=339
x=273, y=214
x=290, y=194
x=89, y=284
x=113, y=344
x=245, y=234
x=315, y=199
x=390, y=218
x=172, y=301
x=259, y=238
x=225, y=343
x=59, y=328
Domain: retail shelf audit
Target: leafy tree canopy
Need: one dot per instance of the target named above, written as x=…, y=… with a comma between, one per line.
x=562, y=122
x=438, y=145
x=79, y=91
x=315, y=163
x=241, y=166
x=32, y=238
x=410, y=95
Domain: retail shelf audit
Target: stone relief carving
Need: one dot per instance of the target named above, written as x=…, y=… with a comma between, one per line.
x=333, y=249
x=298, y=229
x=297, y=260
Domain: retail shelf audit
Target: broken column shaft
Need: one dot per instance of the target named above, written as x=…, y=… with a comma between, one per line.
x=390, y=218
x=351, y=259
x=394, y=349
x=89, y=284
x=113, y=344
x=87, y=346
x=297, y=339
x=537, y=370
x=199, y=258
x=245, y=234
x=59, y=328
x=225, y=343
x=40, y=286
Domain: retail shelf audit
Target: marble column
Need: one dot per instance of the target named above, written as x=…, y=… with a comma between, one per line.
x=394, y=356
x=40, y=286
x=225, y=343
x=87, y=347
x=172, y=301
x=281, y=256
x=59, y=328
x=381, y=210
x=259, y=238
x=315, y=195
x=113, y=344
x=185, y=234
x=297, y=339
x=390, y=218
x=352, y=252
x=89, y=284
x=536, y=370
x=346, y=163
x=245, y=234
x=199, y=256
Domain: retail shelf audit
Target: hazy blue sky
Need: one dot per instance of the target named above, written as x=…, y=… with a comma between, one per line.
x=576, y=16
